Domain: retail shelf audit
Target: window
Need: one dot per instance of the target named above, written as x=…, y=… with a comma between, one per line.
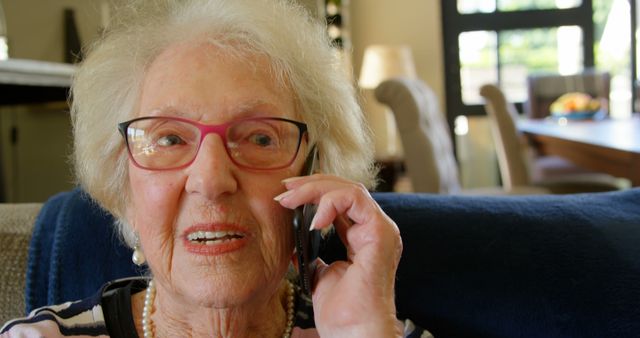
x=489, y=6
x=503, y=41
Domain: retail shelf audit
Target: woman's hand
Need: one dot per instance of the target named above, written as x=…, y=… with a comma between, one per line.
x=353, y=298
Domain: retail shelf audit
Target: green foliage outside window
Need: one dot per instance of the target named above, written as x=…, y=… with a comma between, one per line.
x=536, y=49
x=518, y=5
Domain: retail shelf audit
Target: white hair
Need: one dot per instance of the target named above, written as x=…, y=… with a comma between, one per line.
x=106, y=88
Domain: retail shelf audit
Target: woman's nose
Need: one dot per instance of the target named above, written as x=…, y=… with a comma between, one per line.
x=211, y=173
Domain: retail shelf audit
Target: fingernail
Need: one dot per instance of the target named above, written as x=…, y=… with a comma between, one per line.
x=283, y=195
x=313, y=224
x=292, y=179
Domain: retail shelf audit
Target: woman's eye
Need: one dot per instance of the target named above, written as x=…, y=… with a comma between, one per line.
x=170, y=140
x=261, y=140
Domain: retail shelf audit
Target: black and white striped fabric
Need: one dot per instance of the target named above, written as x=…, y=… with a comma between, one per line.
x=72, y=319
x=108, y=314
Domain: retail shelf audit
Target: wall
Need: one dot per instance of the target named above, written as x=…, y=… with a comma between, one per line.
x=416, y=23
x=36, y=27
x=35, y=163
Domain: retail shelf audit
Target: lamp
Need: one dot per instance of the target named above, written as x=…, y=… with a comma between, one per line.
x=382, y=62
x=4, y=47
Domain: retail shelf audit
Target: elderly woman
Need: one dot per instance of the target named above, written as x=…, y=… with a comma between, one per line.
x=219, y=104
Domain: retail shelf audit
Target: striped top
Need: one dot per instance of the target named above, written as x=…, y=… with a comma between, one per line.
x=108, y=314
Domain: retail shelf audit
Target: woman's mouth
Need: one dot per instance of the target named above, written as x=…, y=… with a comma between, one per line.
x=213, y=237
x=210, y=240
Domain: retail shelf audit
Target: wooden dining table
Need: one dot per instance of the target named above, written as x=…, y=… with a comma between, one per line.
x=611, y=145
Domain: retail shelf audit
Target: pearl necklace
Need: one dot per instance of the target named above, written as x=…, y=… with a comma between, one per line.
x=150, y=295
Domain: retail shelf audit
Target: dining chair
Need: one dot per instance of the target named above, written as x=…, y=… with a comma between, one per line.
x=428, y=148
x=543, y=89
x=424, y=132
x=514, y=154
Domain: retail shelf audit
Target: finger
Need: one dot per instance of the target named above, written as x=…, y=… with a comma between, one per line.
x=334, y=198
x=345, y=206
x=372, y=241
x=372, y=229
x=314, y=188
x=321, y=269
x=326, y=276
x=307, y=189
x=296, y=181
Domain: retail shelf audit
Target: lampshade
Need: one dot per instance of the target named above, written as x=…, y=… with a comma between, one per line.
x=382, y=62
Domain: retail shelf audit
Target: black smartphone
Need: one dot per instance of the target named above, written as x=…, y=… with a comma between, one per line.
x=307, y=242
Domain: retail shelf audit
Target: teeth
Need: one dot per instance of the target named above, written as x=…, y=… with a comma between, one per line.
x=210, y=236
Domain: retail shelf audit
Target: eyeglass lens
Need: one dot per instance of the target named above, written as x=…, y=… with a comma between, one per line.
x=166, y=143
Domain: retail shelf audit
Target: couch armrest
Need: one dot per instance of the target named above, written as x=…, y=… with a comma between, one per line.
x=16, y=224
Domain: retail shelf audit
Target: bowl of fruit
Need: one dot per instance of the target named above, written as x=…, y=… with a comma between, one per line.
x=576, y=106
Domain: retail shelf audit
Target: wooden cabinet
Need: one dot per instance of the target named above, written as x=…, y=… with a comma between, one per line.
x=35, y=130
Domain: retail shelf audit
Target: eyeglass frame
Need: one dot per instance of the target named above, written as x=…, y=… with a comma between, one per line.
x=206, y=129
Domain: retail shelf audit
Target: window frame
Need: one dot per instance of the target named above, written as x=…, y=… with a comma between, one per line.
x=454, y=23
